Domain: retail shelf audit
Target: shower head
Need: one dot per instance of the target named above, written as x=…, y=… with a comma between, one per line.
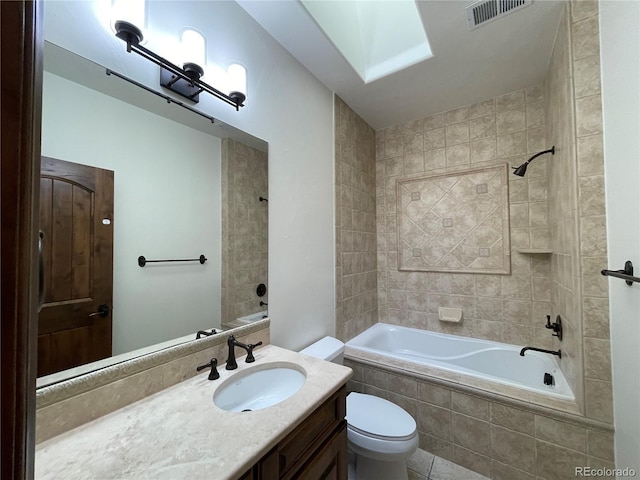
x=522, y=169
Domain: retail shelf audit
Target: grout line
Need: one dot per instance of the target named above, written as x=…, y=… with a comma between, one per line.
x=431, y=467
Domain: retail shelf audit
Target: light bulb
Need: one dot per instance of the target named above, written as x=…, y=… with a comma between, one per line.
x=237, y=78
x=193, y=48
x=132, y=11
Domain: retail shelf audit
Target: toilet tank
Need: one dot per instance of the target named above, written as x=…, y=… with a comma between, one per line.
x=328, y=348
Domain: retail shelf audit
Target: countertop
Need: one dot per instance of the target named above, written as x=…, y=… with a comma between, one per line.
x=179, y=433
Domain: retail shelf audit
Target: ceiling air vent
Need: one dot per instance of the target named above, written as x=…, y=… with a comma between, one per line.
x=484, y=11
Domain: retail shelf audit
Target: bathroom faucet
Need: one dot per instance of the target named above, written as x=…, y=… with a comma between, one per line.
x=213, y=374
x=231, y=360
x=204, y=333
x=552, y=352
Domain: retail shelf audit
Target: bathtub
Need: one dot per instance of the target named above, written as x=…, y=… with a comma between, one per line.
x=482, y=359
x=246, y=320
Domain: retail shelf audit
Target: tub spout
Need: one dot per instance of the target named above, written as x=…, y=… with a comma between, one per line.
x=552, y=352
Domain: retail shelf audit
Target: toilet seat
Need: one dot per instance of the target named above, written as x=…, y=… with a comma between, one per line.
x=379, y=449
x=378, y=428
x=378, y=418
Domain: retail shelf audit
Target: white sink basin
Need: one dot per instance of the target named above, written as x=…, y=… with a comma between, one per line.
x=259, y=387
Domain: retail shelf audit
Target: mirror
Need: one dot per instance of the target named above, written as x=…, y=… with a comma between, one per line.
x=183, y=186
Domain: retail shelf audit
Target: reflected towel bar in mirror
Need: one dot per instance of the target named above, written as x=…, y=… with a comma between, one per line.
x=626, y=274
x=142, y=261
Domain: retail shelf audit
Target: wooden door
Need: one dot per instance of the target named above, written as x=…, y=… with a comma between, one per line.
x=21, y=44
x=76, y=217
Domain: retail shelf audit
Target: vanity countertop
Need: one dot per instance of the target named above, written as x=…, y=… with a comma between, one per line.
x=179, y=433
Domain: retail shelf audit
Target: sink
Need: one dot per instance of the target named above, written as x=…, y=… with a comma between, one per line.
x=259, y=387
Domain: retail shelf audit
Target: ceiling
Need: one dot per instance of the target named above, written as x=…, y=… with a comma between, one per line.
x=467, y=66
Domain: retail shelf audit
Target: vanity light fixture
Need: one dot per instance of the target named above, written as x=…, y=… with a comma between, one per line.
x=132, y=11
x=184, y=81
x=522, y=169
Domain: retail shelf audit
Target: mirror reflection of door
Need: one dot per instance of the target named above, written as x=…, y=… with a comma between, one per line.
x=76, y=216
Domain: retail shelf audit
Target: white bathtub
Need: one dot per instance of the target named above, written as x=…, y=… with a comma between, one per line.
x=493, y=361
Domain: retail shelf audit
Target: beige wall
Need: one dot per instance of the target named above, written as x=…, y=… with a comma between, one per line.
x=577, y=208
x=506, y=308
x=244, y=229
x=356, y=304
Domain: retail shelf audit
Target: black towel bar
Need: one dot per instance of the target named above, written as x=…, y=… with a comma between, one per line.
x=143, y=261
x=626, y=274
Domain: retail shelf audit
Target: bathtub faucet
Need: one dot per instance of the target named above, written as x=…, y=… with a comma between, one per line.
x=552, y=352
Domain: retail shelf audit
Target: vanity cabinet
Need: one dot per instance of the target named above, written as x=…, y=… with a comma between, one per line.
x=315, y=450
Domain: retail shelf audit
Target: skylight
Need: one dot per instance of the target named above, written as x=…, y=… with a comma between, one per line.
x=376, y=37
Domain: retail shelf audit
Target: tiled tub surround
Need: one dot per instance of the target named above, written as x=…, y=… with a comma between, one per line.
x=455, y=222
x=180, y=433
x=503, y=308
x=577, y=216
x=74, y=402
x=490, y=433
x=355, y=176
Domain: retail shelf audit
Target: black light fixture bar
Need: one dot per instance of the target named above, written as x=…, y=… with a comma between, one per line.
x=167, y=98
x=132, y=36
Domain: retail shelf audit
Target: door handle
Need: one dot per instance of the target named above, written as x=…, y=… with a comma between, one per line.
x=40, y=271
x=103, y=311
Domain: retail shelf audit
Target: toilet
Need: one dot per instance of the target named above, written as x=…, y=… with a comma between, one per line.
x=380, y=434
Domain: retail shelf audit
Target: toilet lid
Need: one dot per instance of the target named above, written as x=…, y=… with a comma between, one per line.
x=378, y=417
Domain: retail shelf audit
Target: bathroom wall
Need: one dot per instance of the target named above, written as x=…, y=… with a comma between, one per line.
x=148, y=303
x=577, y=208
x=244, y=229
x=286, y=106
x=355, y=170
x=507, y=308
x=619, y=53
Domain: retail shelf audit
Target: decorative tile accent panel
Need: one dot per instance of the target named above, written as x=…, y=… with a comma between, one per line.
x=455, y=222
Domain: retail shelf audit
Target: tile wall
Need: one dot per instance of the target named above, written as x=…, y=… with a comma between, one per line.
x=577, y=217
x=355, y=169
x=244, y=229
x=506, y=308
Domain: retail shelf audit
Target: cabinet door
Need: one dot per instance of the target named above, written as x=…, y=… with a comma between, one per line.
x=330, y=461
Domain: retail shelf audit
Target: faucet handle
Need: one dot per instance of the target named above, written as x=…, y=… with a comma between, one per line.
x=556, y=326
x=250, y=347
x=213, y=374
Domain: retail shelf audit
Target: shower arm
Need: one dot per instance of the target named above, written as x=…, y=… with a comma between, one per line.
x=552, y=151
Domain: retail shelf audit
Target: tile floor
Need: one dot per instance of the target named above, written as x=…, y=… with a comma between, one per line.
x=425, y=466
